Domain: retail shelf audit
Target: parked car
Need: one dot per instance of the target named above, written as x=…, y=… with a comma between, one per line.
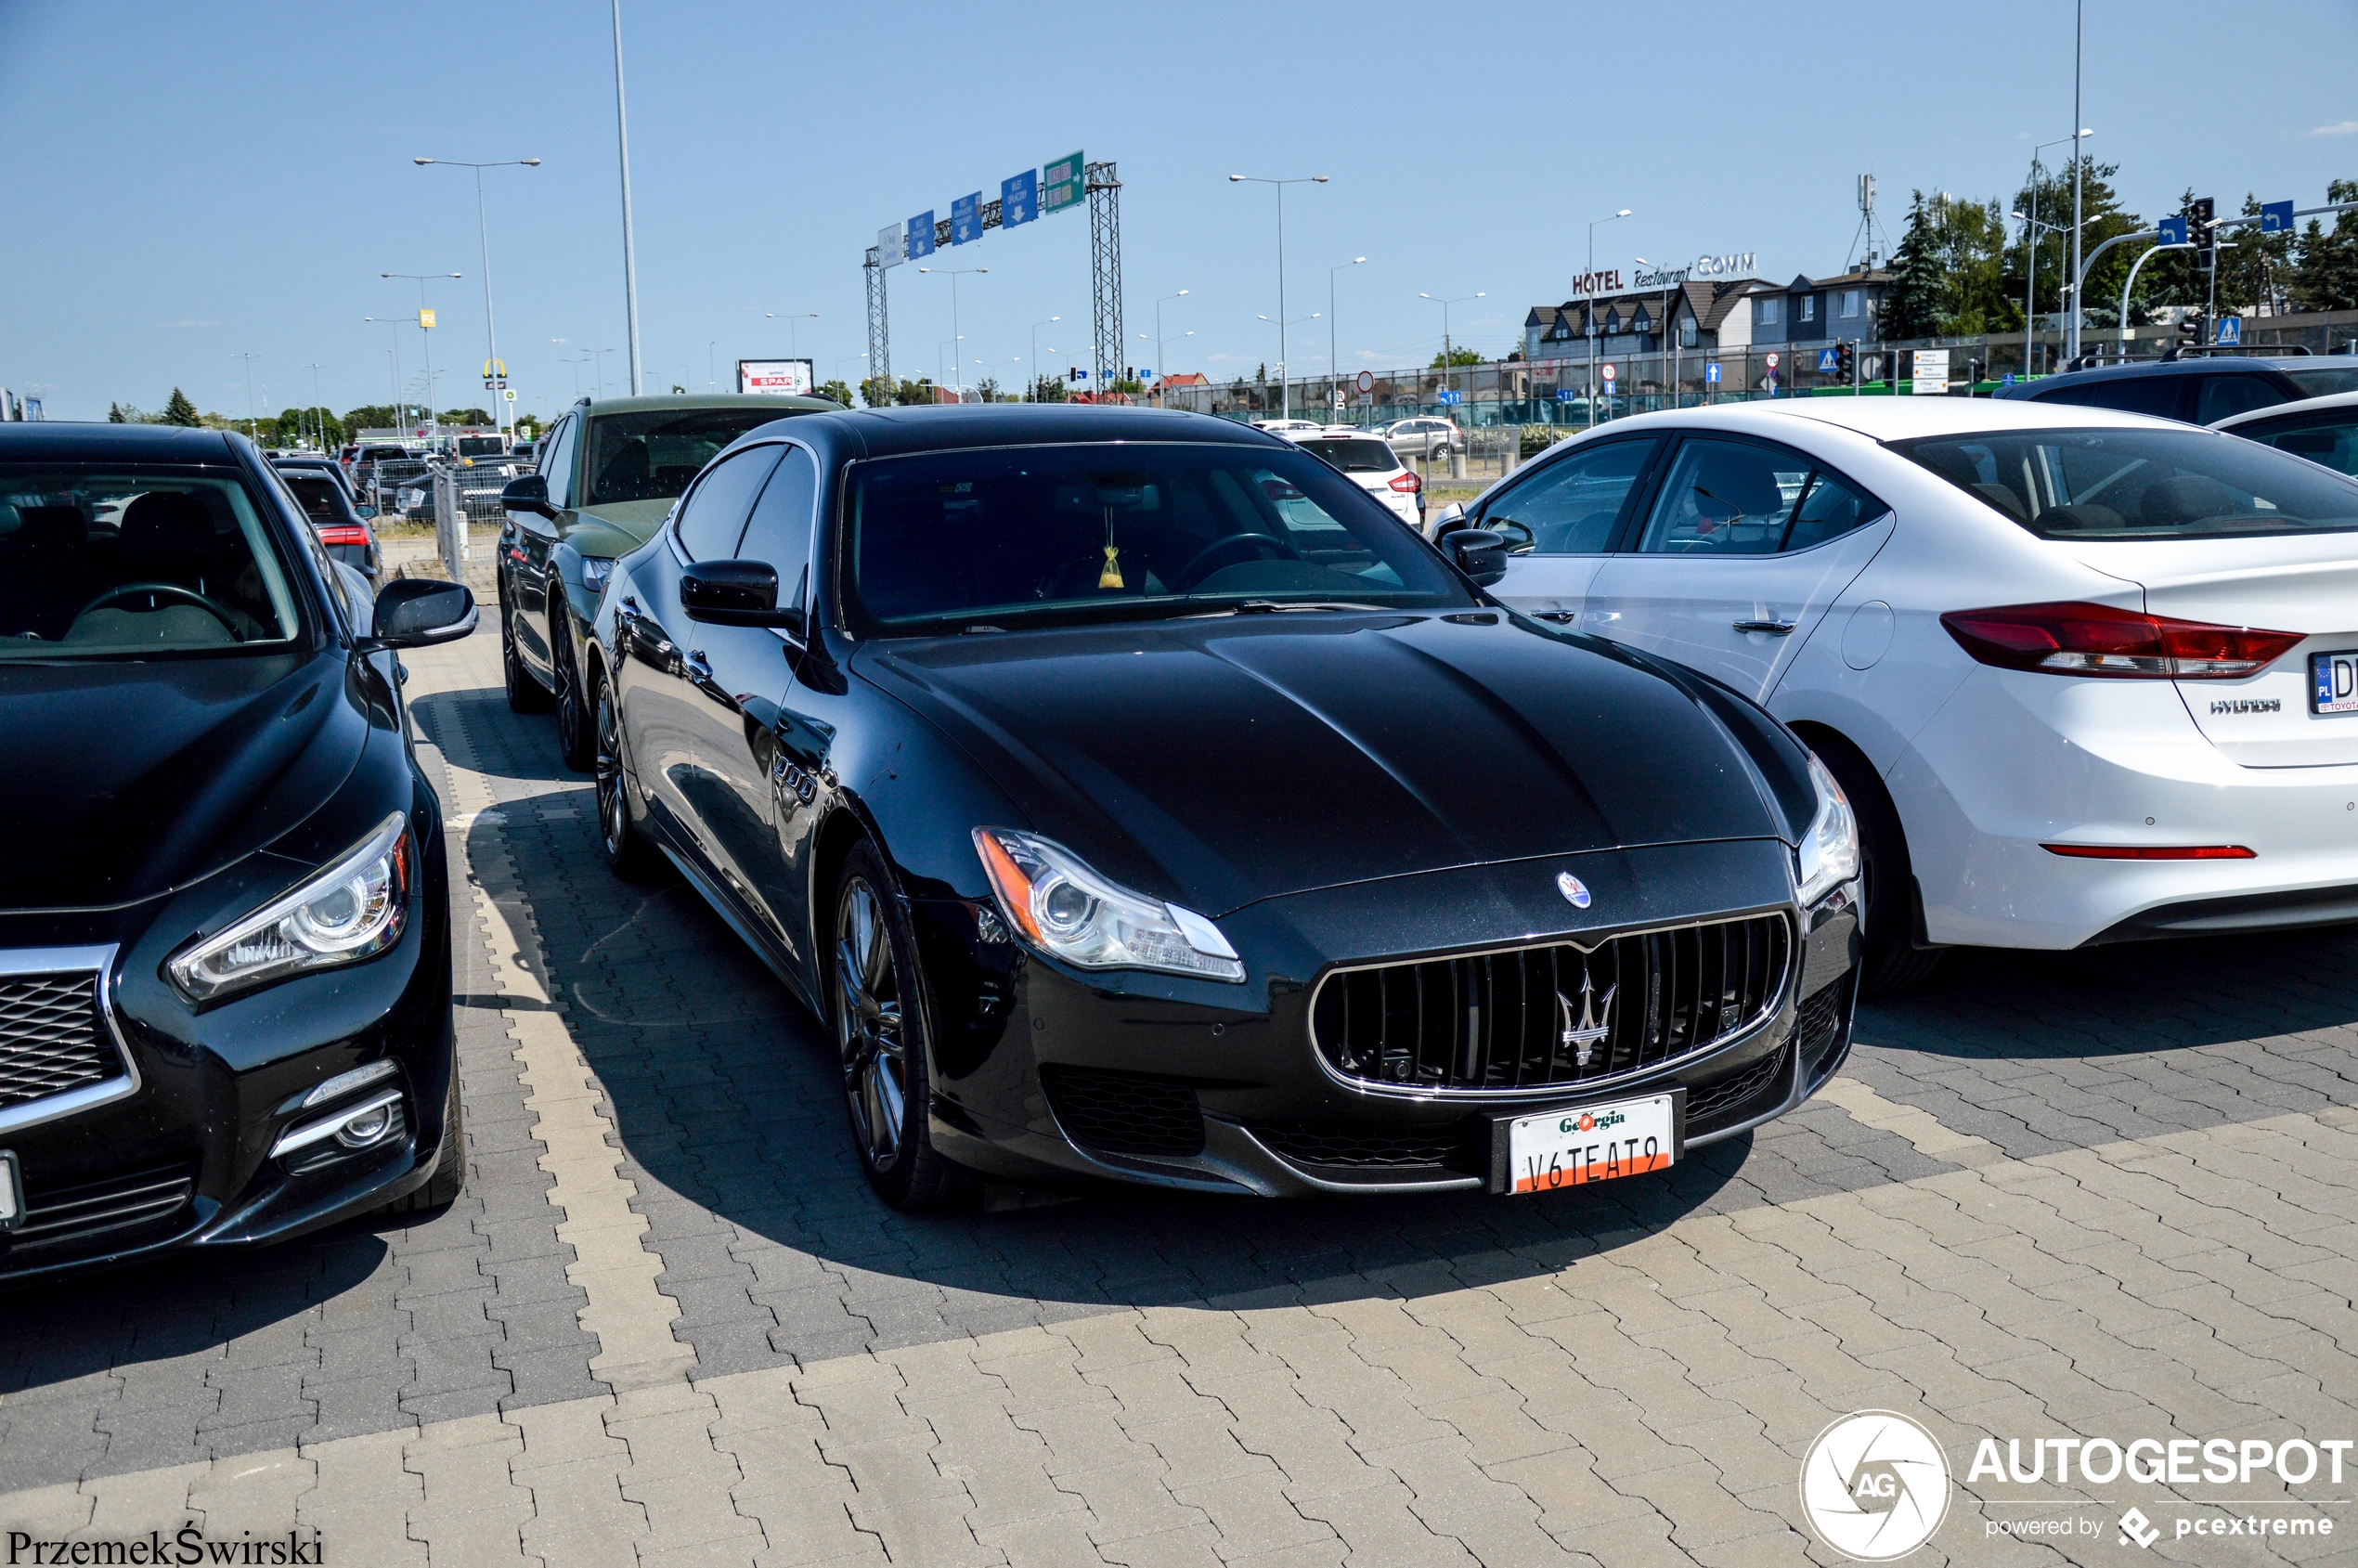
x=1429, y=439
x=225, y=930
x=1289, y=427
x=2321, y=429
x=341, y=526
x=2200, y=390
x=525, y=453
x=1135, y=799
x=2026, y=638
x=1375, y=468
x=364, y=477
x=612, y=468
x=306, y=463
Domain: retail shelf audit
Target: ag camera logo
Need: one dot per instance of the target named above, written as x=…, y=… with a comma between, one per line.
x=1874, y=1485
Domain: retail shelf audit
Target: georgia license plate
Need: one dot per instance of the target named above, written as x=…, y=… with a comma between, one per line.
x=2333, y=683
x=1560, y=1148
x=11, y=1192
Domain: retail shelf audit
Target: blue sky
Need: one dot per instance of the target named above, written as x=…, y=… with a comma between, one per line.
x=187, y=183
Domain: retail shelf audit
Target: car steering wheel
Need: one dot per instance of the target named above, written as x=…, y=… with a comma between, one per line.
x=1187, y=574
x=189, y=595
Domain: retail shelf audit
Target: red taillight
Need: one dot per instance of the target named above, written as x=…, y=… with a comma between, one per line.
x=344, y=533
x=1406, y=483
x=2151, y=852
x=2098, y=640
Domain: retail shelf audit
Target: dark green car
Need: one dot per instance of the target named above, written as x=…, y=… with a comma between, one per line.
x=610, y=468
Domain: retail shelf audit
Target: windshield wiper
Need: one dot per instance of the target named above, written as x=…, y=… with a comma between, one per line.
x=1275, y=607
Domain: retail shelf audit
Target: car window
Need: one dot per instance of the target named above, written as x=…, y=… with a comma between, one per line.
x=779, y=531
x=2141, y=484
x=2332, y=442
x=654, y=454
x=558, y=464
x=713, y=517
x=1830, y=508
x=2323, y=383
x=2157, y=395
x=1724, y=498
x=2223, y=396
x=322, y=497
x=1354, y=456
x=1569, y=507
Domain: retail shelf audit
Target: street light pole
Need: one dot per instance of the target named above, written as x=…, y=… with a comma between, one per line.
x=2079, y=31
x=1285, y=392
x=629, y=260
x=318, y=418
x=1334, y=369
x=954, y=273
x=381, y=321
x=424, y=333
x=1037, y=373
x=493, y=370
x=1590, y=312
x=249, y=358
x=1285, y=406
x=1446, y=343
x=793, y=341
x=1159, y=366
x=2030, y=263
x=598, y=360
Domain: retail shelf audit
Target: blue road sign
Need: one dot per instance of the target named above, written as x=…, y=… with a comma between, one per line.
x=1567, y=394
x=2229, y=329
x=2173, y=231
x=921, y=235
x=2275, y=217
x=1448, y=397
x=1019, y=199
x=966, y=220
x=2007, y=380
x=1711, y=375
x=1826, y=360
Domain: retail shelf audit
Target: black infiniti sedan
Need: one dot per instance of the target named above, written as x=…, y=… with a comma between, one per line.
x=225, y=937
x=1133, y=797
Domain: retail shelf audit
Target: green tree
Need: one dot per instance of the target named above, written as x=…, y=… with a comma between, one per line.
x=2102, y=216
x=915, y=393
x=1047, y=389
x=1921, y=294
x=476, y=416
x=370, y=416
x=178, y=410
x=1458, y=356
x=114, y=414
x=837, y=391
x=2326, y=278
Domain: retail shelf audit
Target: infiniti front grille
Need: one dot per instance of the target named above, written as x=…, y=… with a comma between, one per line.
x=52, y=1038
x=1550, y=1015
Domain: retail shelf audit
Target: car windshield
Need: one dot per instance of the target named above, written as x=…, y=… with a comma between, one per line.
x=1354, y=456
x=322, y=497
x=2324, y=383
x=97, y=562
x=479, y=447
x=2141, y=484
x=653, y=456
x=982, y=538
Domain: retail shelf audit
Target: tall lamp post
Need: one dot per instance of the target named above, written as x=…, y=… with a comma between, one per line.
x=318, y=419
x=1334, y=369
x=2031, y=239
x=249, y=358
x=1285, y=392
x=493, y=370
x=598, y=361
x=420, y=279
x=1590, y=311
x=793, y=340
x=1159, y=366
x=396, y=326
x=629, y=258
x=954, y=273
x=1285, y=405
x=1446, y=344
x=1037, y=373
x=1162, y=371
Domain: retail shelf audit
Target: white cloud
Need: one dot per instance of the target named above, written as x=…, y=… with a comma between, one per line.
x=560, y=340
x=2340, y=128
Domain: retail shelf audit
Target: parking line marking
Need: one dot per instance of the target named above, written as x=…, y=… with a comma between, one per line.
x=1933, y=1139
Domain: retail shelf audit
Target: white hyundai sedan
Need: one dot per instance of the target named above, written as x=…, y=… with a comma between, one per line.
x=1374, y=467
x=2086, y=677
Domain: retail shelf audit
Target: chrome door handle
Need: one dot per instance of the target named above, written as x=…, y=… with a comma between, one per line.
x=1774, y=628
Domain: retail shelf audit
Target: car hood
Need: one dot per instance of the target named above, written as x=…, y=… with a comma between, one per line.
x=126, y=779
x=617, y=528
x=1218, y=762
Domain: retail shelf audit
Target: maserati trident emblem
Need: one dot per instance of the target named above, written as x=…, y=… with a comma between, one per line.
x=1572, y=887
x=1596, y=1019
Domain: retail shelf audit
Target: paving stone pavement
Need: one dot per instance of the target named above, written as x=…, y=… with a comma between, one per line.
x=2069, y=1195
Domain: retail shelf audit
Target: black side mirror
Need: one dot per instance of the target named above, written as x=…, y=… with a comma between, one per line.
x=1479, y=554
x=420, y=612
x=527, y=492
x=737, y=593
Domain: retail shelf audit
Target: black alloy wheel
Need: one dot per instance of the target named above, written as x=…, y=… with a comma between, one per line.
x=524, y=694
x=628, y=855
x=1891, y=960
x=577, y=739
x=880, y=1040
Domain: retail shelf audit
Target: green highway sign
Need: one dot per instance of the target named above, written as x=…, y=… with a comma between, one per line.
x=1062, y=184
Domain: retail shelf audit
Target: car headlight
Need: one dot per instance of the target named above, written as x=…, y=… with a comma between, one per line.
x=596, y=571
x=1828, y=852
x=1068, y=912
x=351, y=911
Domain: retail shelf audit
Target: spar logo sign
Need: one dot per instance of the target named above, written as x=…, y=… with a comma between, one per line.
x=1874, y=1485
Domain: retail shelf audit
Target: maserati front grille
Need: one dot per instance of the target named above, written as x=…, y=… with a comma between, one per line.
x=52, y=1038
x=1550, y=1015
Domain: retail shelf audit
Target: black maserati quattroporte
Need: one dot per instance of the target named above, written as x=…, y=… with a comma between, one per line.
x=225, y=935
x=1134, y=797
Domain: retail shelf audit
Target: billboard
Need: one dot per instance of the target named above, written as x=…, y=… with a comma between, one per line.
x=783, y=378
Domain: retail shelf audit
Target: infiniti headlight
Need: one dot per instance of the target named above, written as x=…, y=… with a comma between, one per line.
x=1828, y=852
x=595, y=571
x=1068, y=912
x=353, y=909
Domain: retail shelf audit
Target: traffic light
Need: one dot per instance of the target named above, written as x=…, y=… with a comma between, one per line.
x=2200, y=214
x=1845, y=360
x=1073, y=374
x=2190, y=333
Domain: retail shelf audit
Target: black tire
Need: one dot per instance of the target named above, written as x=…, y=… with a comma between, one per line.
x=628, y=855
x=576, y=733
x=526, y=694
x=877, y=1018
x=1891, y=962
x=449, y=1176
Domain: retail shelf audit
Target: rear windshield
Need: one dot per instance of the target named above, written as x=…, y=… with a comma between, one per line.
x=989, y=538
x=322, y=497
x=2141, y=484
x=480, y=446
x=98, y=561
x=653, y=456
x=1354, y=456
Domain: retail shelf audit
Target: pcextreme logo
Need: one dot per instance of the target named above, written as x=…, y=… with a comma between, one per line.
x=1874, y=1485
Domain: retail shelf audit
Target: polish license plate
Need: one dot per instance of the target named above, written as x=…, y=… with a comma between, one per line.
x=1600, y=1143
x=11, y=1192
x=2333, y=683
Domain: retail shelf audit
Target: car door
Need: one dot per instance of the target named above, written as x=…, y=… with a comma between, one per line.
x=1561, y=518
x=526, y=541
x=660, y=685
x=752, y=745
x=1744, y=546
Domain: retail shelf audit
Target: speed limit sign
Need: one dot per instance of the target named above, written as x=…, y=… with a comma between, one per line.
x=1367, y=380
x=1771, y=358
x=1608, y=373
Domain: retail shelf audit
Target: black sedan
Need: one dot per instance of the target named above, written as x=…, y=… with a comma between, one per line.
x=1134, y=797
x=225, y=936
x=339, y=525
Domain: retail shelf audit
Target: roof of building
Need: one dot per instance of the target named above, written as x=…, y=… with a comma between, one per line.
x=1707, y=303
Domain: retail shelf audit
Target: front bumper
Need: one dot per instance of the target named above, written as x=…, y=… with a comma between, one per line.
x=1047, y=1076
